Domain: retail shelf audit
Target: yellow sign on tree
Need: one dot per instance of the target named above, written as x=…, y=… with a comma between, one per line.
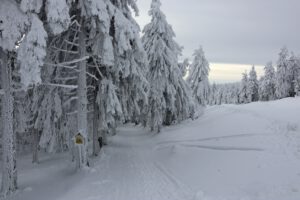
x=79, y=139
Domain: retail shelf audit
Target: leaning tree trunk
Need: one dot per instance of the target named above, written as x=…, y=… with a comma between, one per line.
x=9, y=170
x=82, y=101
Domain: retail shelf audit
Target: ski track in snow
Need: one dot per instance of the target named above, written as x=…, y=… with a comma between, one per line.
x=225, y=148
x=128, y=171
x=211, y=138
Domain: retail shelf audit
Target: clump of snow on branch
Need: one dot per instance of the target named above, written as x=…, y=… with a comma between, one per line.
x=12, y=26
x=99, y=9
x=58, y=15
x=32, y=52
x=31, y=5
x=109, y=102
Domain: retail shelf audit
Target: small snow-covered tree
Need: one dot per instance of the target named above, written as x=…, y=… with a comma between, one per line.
x=282, y=75
x=293, y=73
x=267, y=84
x=168, y=94
x=253, y=86
x=244, y=91
x=198, y=76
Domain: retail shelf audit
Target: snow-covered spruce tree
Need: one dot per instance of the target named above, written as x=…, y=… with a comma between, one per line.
x=123, y=64
x=293, y=73
x=64, y=80
x=79, y=48
x=244, y=91
x=267, y=84
x=44, y=110
x=31, y=56
x=19, y=20
x=253, y=86
x=13, y=23
x=168, y=95
x=130, y=60
x=114, y=55
x=198, y=77
x=105, y=75
x=282, y=75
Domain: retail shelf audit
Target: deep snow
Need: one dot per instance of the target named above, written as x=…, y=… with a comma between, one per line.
x=232, y=152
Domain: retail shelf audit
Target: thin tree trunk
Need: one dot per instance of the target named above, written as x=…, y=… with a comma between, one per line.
x=35, y=149
x=95, y=128
x=9, y=170
x=103, y=130
x=82, y=99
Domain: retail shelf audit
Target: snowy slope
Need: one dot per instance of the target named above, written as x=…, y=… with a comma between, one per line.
x=240, y=152
x=244, y=152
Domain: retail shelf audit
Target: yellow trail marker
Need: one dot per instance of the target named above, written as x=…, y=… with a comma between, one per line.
x=79, y=139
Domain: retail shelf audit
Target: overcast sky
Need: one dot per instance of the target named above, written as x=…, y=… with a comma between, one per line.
x=232, y=31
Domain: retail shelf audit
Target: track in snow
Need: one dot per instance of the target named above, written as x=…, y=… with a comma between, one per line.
x=135, y=174
x=128, y=170
x=212, y=138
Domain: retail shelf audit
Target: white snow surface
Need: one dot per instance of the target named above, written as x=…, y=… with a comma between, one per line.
x=232, y=152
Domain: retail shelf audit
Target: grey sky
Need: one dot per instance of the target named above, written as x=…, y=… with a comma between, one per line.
x=232, y=31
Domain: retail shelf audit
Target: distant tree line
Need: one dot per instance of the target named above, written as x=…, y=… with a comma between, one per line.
x=277, y=82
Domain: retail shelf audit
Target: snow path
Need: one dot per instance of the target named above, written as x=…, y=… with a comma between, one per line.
x=128, y=170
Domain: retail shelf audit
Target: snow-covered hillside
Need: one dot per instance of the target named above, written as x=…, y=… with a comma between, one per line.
x=232, y=152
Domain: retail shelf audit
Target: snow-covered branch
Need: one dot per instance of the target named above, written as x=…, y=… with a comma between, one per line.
x=92, y=76
x=75, y=60
x=71, y=43
x=61, y=85
x=73, y=67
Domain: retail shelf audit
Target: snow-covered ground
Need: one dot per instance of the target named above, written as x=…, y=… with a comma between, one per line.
x=244, y=152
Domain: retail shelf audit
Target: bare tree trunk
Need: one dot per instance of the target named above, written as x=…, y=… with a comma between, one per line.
x=82, y=99
x=95, y=129
x=103, y=130
x=35, y=148
x=9, y=170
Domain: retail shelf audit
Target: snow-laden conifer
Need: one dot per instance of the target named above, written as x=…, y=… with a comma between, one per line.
x=253, y=86
x=244, y=90
x=168, y=92
x=198, y=77
x=267, y=84
x=282, y=75
x=13, y=24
